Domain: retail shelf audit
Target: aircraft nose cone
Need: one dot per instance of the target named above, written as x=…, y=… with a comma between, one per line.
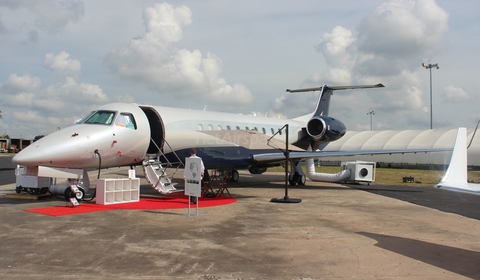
x=66, y=148
x=30, y=156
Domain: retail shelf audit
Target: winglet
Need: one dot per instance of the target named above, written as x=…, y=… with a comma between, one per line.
x=455, y=179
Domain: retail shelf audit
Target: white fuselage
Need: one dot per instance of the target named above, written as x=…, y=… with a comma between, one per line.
x=79, y=145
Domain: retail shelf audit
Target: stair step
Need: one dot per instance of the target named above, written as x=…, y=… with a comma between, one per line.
x=157, y=176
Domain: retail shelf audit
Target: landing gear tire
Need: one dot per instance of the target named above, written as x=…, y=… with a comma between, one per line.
x=235, y=175
x=18, y=189
x=297, y=179
x=302, y=180
x=293, y=179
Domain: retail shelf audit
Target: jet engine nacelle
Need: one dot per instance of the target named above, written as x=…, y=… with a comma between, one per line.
x=323, y=128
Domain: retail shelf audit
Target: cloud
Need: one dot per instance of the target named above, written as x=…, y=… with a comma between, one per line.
x=80, y=97
x=33, y=108
x=335, y=47
x=29, y=117
x=25, y=91
x=13, y=4
x=152, y=60
x=387, y=46
x=88, y=93
x=53, y=16
x=49, y=16
x=164, y=23
x=399, y=33
x=18, y=91
x=455, y=94
x=295, y=104
x=17, y=84
x=62, y=65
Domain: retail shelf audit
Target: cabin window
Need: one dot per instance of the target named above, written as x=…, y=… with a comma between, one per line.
x=246, y=128
x=101, y=117
x=238, y=128
x=200, y=127
x=273, y=131
x=263, y=130
x=228, y=127
x=210, y=127
x=219, y=127
x=255, y=128
x=126, y=120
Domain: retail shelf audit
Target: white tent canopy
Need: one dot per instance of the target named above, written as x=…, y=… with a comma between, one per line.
x=405, y=139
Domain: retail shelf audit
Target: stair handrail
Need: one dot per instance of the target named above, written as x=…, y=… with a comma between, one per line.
x=173, y=151
x=165, y=157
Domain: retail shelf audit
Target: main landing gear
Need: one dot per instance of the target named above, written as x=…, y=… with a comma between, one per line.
x=297, y=177
x=235, y=175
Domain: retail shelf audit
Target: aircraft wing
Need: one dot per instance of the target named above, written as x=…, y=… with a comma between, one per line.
x=255, y=140
x=271, y=157
x=250, y=139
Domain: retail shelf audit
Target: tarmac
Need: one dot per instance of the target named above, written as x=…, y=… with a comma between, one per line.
x=337, y=231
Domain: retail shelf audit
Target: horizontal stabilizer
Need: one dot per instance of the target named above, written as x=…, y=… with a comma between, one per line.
x=323, y=103
x=335, y=88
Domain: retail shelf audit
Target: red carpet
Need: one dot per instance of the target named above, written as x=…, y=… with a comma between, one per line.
x=170, y=202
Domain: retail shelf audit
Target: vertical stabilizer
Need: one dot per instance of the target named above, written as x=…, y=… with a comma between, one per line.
x=323, y=103
x=455, y=179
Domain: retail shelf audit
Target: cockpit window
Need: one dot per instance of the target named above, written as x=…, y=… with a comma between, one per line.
x=101, y=117
x=126, y=120
x=86, y=117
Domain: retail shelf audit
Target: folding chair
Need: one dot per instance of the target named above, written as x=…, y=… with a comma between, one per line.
x=222, y=186
x=207, y=190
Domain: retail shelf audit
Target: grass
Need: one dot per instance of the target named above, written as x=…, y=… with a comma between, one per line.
x=394, y=176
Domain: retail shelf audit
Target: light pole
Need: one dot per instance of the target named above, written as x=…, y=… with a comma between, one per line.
x=371, y=113
x=429, y=66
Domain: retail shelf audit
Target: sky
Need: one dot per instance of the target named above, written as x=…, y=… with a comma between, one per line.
x=62, y=59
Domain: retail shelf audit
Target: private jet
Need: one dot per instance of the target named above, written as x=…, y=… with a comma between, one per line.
x=158, y=138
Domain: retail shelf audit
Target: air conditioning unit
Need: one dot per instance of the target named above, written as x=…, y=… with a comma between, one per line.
x=360, y=171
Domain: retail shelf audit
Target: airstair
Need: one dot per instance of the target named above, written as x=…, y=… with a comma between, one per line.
x=155, y=167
